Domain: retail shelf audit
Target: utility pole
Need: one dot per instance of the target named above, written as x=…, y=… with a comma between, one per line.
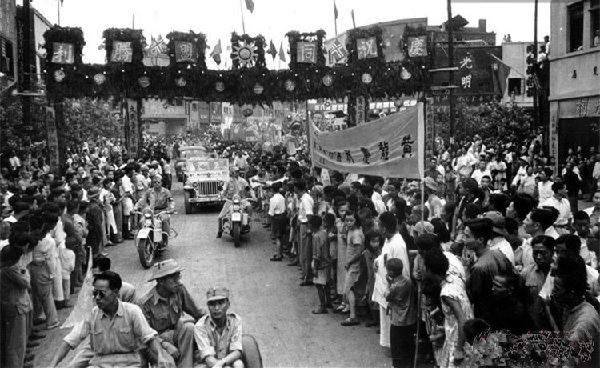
x=451, y=67
x=535, y=69
x=26, y=82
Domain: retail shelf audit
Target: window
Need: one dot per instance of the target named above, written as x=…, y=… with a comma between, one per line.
x=7, y=62
x=575, y=27
x=595, y=23
x=514, y=86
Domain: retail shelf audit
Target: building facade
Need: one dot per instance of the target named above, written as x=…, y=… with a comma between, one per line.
x=8, y=44
x=574, y=77
x=514, y=55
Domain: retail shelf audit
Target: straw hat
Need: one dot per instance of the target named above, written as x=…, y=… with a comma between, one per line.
x=165, y=268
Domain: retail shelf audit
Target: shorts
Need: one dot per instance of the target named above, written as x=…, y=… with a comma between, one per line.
x=278, y=226
x=351, y=279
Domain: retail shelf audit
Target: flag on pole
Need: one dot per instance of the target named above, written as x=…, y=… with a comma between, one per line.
x=353, y=21
x=281, y=53
x=216, y=53
x=335, y=11
x=501, y=71
x=250, y=5
x=272, y=50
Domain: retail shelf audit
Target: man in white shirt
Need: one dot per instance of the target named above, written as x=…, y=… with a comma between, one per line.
x=544, y=186
x=480, y=172
x=498, y=240
x=305, y=209
x=561, y=203
x=278, y=219
x=465, y=161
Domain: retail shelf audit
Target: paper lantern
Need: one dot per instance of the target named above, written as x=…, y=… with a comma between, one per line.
x=258, y=89
x=290, y=85
x=328, y=80
x=144, y=81
x=59, y=75
x=180, y=82
x=405, y=74
x=366, y=78
x=99, y=79
x=247, y=112
x=220, y=86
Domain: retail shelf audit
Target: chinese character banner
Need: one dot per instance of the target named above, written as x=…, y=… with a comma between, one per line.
x=307, y=52
x=63, y=53
x=392, y=146
x=122, y=52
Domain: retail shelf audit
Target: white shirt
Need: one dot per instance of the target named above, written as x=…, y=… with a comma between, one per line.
x=378, y=202
x=126, y=184
x=276, y=205
x=392, y=248
x=306, y=207
x=545, y=191
x=564, y=208
x=503, y=246
x=478, y=175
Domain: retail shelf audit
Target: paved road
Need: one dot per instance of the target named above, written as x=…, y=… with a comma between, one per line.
x=267, y=295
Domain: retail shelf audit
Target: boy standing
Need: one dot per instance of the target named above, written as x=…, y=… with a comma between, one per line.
x=402, y=308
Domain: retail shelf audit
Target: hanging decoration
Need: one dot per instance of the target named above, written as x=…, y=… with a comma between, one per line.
x=59, y=75
x=187, y=48
x=367, y=48
x=180, y=82
x=327, y=80
x=258, y=89
x=219, y=86
x=122, y=52
x=307, y=52
x=405, y=74
x=306, y=49
x=144, y=81
x=64, y=53
x=247, y=51
x=124, y=45
x=366, y=78
x=99, y=79
x=290, y=85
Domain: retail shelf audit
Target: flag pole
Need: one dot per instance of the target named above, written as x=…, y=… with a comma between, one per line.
x=58, y=6
x=335, y=14
x=242, y=11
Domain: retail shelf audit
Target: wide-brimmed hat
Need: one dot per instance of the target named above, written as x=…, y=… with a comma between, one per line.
x=217, y=293
x=498, y=221
x=165, y=268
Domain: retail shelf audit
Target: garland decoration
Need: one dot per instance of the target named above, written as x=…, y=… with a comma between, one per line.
x=198, y=48
x=247, y=51
x=365, y=47
x=64, y=49
x=124, y=35
x=295, y=37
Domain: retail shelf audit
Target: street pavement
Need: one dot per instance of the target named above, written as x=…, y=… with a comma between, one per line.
x=266, y=295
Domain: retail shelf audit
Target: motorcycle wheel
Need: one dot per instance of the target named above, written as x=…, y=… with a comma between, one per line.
x=236, y=232
x=146, y=253
x=188, y=206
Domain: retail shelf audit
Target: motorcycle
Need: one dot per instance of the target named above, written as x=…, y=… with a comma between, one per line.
x=150, y=238
x=237, y=221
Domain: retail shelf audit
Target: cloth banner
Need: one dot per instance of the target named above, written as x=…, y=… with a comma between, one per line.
x=122, y=52
x=53, y=150
x=307, y=52
x=63, y=53
x=185, y=52
x=392, y=146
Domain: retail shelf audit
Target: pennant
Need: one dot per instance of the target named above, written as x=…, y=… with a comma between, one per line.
x=501, y=71
x=335, y=11
x=337, y=51
x=250, y=5
x=216, y=53
x=272, y=50
x=281, y=53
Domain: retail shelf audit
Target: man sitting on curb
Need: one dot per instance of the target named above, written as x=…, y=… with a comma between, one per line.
x=219, y=334
x=171, y=311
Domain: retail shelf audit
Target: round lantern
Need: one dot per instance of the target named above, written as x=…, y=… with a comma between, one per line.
x=366, y=78
x=258, y=89
x=220, y=86
x=290, y=85
x=247, y=112
x=59, y=75
x=405, y=74
x=180, y=82
x=99, y=79
x=328, y=80
x=144, y=81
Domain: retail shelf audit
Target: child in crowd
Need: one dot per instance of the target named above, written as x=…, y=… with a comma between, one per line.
x=355, y=243
x=373, y=243
x=321, y=263
x=67, y=261
x=341, y=263
x=402, y=308
x=331, y=229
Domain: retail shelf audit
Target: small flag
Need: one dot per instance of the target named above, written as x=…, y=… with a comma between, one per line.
x=272, y=50
x=338, y=51
x=501, y=71
x=250, y=5
x=216, y=53
x=335, y=11
x=281, y=53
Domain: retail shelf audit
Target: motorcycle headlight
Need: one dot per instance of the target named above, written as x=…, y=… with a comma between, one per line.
x=236, y=208
x=147, y=215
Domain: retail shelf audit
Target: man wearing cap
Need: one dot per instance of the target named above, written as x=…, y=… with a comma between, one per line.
x=498, y=240
x=116, y=329
x=219, y=334
x=235, y=185
x=157, y=199
x=171, y=311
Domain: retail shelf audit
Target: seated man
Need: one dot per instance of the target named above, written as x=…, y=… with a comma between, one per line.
x=158, y=199
x=165, y=307
x=235, y=185
x=219, y=334
x=116, y=329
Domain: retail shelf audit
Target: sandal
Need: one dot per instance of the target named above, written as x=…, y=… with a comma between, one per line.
x=350, y=322
x=276, y=259
x=320, y=311
x=339, y=309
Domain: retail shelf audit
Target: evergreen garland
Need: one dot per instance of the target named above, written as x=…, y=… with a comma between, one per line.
x=198, y=38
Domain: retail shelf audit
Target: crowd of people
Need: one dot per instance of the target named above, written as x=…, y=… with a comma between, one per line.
x=491, y=240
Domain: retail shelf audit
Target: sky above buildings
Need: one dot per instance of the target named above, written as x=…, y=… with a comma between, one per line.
x=274, y=18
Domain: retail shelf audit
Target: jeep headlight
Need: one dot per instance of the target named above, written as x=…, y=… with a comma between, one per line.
x=195, y=184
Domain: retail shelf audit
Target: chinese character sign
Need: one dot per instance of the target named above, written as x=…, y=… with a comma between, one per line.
x=392, y=146
x=367, y=48
x=417, y=46
x=185, y=52
x=307, y=52
x=122, y=52
x=63, y=53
